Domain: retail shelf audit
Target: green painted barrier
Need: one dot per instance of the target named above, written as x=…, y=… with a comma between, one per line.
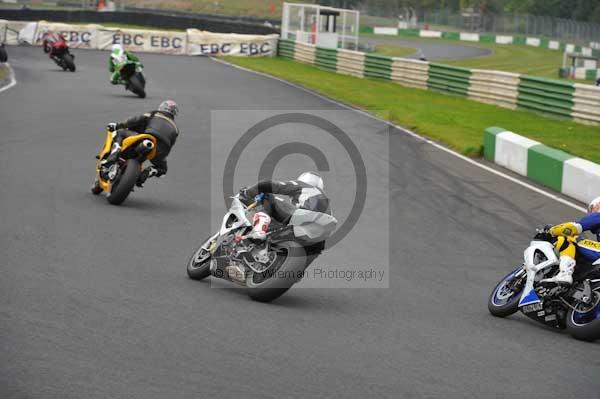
x=409, y=32
x=489, y=142
x=520, y=40
x=546, y=95
x=326, y=59
x=487, y=38
x=450, y=79
x=378, y=66
x=451, y=35
x=286, y=48
x=545, y=165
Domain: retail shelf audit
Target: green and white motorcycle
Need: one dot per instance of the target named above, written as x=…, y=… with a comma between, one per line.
x=130, y=73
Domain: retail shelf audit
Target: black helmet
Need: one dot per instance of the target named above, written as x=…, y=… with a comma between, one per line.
x=169, y=107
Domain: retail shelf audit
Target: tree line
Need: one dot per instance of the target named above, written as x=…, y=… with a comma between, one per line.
x=581, y=10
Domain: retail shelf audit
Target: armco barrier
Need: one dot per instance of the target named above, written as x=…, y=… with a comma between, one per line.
x=562, y=172
x=508, y=90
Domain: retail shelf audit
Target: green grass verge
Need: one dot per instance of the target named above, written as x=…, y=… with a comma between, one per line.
x=3, y=73
x=454, y=121
x=518, y=59
x=391, y=50
x=509, y=58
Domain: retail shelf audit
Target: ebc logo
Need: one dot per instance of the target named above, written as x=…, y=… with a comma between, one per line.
x=77, y=37
x=127, y=40
x=165, y=42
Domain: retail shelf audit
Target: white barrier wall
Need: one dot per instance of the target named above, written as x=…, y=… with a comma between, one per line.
x=208, y=43
x=78, y=36
x=504, y=39
x=138, y=40
x=493, y=87
x=512, y=151
x=430, y=33
x=581, y=179
x=3, y=23
x=12, y=29
x=379, y=30
x=305, y=53
x=469, y=37
x=351, y=63
x=533, y=41
x=191, y=42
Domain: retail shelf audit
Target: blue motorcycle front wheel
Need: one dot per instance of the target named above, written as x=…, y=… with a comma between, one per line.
x=583, y=322
x=504, y=299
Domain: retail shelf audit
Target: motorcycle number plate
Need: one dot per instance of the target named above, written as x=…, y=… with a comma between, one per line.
x=534, y=307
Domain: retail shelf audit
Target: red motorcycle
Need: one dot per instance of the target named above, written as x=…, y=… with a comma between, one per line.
x=58, y=49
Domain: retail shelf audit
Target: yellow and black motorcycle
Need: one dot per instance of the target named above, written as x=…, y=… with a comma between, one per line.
x=121, y=177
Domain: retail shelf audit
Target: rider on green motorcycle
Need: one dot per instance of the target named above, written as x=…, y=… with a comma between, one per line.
x=119, y=56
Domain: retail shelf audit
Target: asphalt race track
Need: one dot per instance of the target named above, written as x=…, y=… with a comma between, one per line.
x=432, y=50
x=95, y=301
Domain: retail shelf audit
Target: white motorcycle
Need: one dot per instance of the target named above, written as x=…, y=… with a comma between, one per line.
x=575, y=308
x=269, y=267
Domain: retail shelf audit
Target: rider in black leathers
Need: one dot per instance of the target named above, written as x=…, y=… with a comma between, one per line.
x=160, y=124
x=305, y=192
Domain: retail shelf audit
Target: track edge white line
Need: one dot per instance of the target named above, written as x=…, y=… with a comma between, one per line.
x=12, y=81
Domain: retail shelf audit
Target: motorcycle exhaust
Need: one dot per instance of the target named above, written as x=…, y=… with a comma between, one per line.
x=145, y=147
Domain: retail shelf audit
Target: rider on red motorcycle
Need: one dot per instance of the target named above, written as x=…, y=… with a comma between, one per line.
x=54, y=44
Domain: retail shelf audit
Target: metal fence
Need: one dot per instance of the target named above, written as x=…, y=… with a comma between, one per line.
x=387, y=14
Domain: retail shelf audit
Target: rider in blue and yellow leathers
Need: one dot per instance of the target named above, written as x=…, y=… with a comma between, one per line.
x=570, y=242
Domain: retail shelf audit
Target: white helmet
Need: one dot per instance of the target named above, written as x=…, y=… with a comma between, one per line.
x=594, y=205
x=117, y=49
x=311, y=178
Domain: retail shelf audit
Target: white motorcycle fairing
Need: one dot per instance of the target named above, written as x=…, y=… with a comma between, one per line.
x=529, y=295
x=237, y=212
